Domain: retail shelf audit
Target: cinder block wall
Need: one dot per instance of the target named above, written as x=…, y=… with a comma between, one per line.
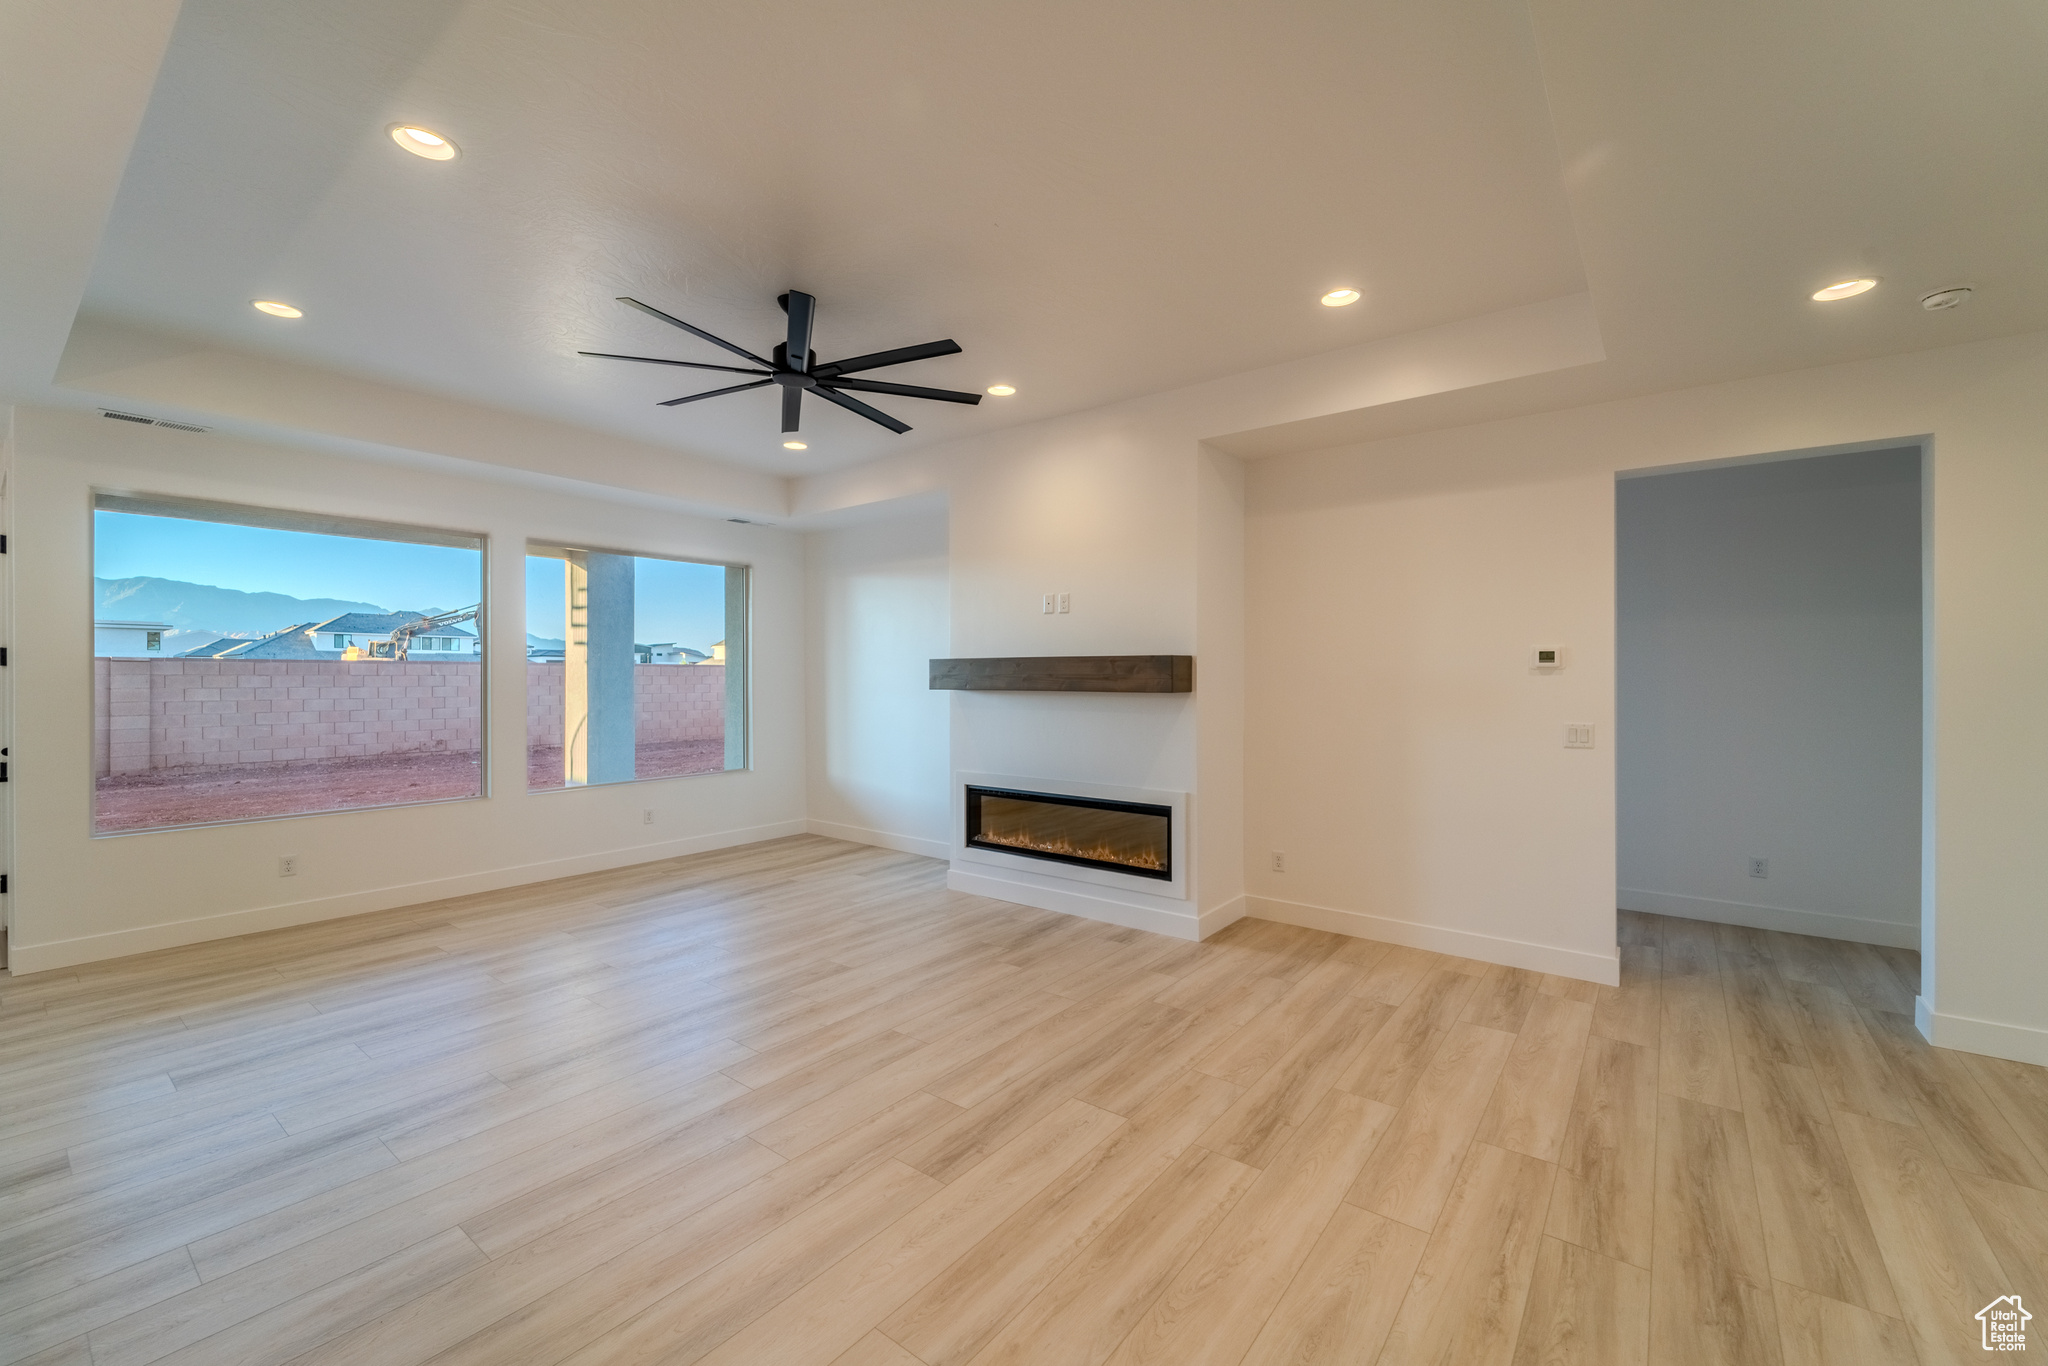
x=670, y=702
x=199, y=713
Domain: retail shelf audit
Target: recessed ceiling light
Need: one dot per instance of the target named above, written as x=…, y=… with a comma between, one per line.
x=1002, y=390
x=1945, y=298
x=275, y=309
x=1844, y=289
x=1337, y=298
x=795, y=446
x=422, y=142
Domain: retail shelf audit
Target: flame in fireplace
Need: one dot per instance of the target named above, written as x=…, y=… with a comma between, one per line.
x=1101, y=853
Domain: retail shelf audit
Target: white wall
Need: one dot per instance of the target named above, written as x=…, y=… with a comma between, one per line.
x=1400, y=753
x=1126, y=509
x=78, y=898
x=1220, y=677
x=1769, y=694
x=878, y=608
x=1399, y=654
x=1101, y=507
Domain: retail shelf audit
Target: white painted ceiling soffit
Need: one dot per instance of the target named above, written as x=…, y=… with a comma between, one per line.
x=1099, y=202
x=113, y=364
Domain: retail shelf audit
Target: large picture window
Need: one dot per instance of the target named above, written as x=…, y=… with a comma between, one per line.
x=251, y=663
x=636, y=667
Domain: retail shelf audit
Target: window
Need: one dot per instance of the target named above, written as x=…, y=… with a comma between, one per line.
x=636, y=667
x=244, y=710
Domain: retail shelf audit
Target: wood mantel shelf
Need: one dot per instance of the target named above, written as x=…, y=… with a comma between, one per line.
x=1067, y=673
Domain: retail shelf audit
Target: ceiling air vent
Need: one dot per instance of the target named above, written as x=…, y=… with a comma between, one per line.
x=153, y=421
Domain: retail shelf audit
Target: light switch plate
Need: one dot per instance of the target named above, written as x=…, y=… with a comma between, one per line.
x=1578, y=737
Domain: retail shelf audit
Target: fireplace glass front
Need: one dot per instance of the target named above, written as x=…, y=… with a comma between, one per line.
x=1124, y=837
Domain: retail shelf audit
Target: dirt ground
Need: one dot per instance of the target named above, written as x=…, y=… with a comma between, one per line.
x=140, y=801
x=666, y=759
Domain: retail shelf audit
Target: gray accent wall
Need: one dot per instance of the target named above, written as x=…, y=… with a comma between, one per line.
x=1769, y=703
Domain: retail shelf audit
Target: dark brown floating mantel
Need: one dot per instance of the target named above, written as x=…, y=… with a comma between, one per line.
x=1067, y=673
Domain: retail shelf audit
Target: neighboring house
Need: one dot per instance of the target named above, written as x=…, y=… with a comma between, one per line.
x=129, y=639
x=360, y=630
x=348, y=636
x=538, y=655
x=668, y=652
x=229, y=644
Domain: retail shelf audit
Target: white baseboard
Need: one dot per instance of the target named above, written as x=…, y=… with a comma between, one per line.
x=881, y=839
x=92, y=948
x=1178, y=924
x=1229, y=913
x=1819, y=924
x=1513, y=953
x=2017, y=1043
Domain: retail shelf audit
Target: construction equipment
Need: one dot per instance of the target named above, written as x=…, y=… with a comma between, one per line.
x=400, y=641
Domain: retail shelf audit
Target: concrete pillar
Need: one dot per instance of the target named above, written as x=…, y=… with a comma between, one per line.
x=597, y=670
x=738, y=690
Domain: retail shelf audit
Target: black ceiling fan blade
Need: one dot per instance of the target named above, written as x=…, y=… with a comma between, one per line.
x=714, y=393
x=877, y=386
x=854, y=405
x=651, y=312
x=688, y=364
x=875, y=360
x=803, y=311
x=792, y=408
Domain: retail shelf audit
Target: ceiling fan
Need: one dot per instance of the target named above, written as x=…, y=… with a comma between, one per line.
x=803, y=373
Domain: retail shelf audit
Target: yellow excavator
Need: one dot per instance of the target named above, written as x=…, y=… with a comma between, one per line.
x=400, y=642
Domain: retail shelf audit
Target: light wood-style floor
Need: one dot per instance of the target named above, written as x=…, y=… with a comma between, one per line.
x=797, y=1103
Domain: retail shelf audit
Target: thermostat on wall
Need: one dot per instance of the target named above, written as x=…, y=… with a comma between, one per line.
x=1546, y=659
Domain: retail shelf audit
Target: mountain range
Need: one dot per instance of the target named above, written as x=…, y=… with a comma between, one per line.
x=200, y=613
x=200, y=607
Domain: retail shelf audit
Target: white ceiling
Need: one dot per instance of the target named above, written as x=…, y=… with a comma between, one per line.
x=1097, y=201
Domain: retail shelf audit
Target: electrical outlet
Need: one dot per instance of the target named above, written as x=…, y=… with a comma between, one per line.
x=1047, y=607
x=288, y=866
x=1578, y=737
x=647, y=816
x=1759, y=867
x=1066, y=602
x=1279, y=862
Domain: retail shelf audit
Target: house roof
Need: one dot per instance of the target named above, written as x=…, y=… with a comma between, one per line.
x=290, y=643
x=296, y=642
x=380, y=624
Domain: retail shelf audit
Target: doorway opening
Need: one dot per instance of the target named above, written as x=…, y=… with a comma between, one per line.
x=1770, y=698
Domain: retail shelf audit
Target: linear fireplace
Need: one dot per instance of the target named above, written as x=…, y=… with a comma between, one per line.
x=1132, y=838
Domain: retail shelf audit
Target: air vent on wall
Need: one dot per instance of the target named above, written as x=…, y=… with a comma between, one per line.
x=153, y=421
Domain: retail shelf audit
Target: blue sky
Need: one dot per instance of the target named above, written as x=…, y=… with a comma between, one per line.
x=393, y=574
x=672, y=600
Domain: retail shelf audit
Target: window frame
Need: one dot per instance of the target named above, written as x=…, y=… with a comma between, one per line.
x=139, y=502
x=739, y=676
